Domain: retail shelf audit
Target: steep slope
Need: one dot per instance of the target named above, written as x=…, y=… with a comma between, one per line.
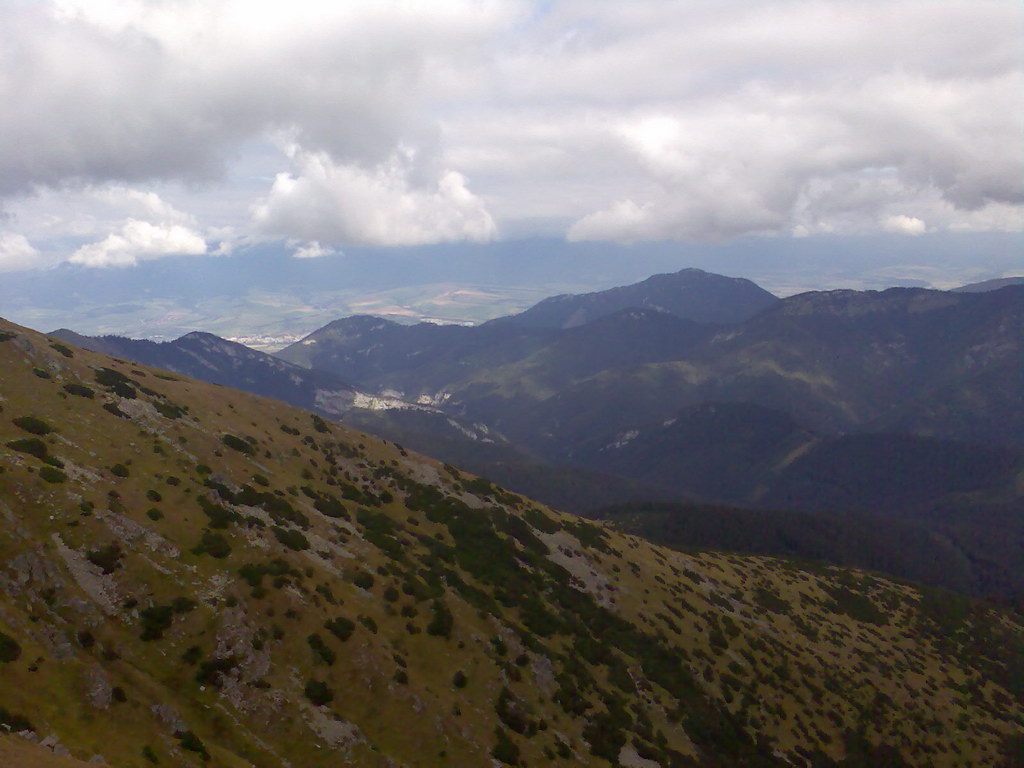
x=974, y=551
x=692, y=294
x=990, y=285
x=193, y=575
x=753, y=455
x=219, y=361
x=422, y=427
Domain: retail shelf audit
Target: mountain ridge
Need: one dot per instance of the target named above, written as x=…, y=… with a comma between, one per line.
x=690, y=293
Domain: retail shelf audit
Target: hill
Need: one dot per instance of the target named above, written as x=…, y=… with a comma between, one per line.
x=194, y=575
x=975, y=551
x=748, y=454
x=691, y=294
x=990, y=285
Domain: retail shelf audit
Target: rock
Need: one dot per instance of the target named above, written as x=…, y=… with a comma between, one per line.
x=98, y=688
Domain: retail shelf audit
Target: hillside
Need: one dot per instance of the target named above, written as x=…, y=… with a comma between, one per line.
x=420, y=426
x=194, y=575
x=748, y=454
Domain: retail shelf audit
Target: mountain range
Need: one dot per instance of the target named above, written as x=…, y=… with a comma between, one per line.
x=905, y=403
x=194, y=575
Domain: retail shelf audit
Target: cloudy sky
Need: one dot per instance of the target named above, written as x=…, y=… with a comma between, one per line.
x=134, y=131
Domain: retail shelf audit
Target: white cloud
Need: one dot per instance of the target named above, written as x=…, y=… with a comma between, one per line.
x=677, y=119
x=138, y=241
x=904, y=225
x=16, y=253
x=140, y=90
x=346, y=204
x=311, y=250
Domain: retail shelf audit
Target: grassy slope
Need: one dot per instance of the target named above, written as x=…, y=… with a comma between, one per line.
x=603, y=641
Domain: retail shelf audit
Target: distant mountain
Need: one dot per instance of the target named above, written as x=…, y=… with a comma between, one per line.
x=990, y=285
x=368, y=349
x=808, y=369
x=931, y=363
x=692, y=294
x=216, y=360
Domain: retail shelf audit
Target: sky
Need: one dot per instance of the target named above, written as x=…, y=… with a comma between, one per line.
x=175, y=129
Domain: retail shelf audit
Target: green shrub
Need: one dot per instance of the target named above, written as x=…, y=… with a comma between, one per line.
x=442, y=623
x=459, y=679
x=213, y=544
x=291, y=538
x=9, y=649
x=169, y=410
x=42, y=373
x=107, y=558
x=52, y=475
x=210, y=672
x=340, y=627
x=154, y=514
x=119, y=470
x=112, y=408
x=183, y=605
x=62, y=349
x=363, y=579
x=331, y=507
x=33, y=425
x=154, y=496
x=237, y=444
x=192, y=743
x=319, y=693
x=321, y=649
x=117, y=382
x=7, y=335
x=155, y=621
x=855, y=605
x=14, y=721
x=30, y=445
x=79, y=390
x=505, y=750
x=771, y=601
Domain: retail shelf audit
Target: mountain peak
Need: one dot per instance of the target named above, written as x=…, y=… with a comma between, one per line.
x=690, y=293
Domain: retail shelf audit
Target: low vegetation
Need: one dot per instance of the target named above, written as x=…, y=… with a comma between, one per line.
x=303, y=593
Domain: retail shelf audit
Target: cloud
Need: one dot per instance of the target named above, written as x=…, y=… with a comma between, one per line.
x=141, y=90
x=344, y=204
x=311, y=250
x=138, y=241
x=656, y=119
x=904, y=225
x=17, y=253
